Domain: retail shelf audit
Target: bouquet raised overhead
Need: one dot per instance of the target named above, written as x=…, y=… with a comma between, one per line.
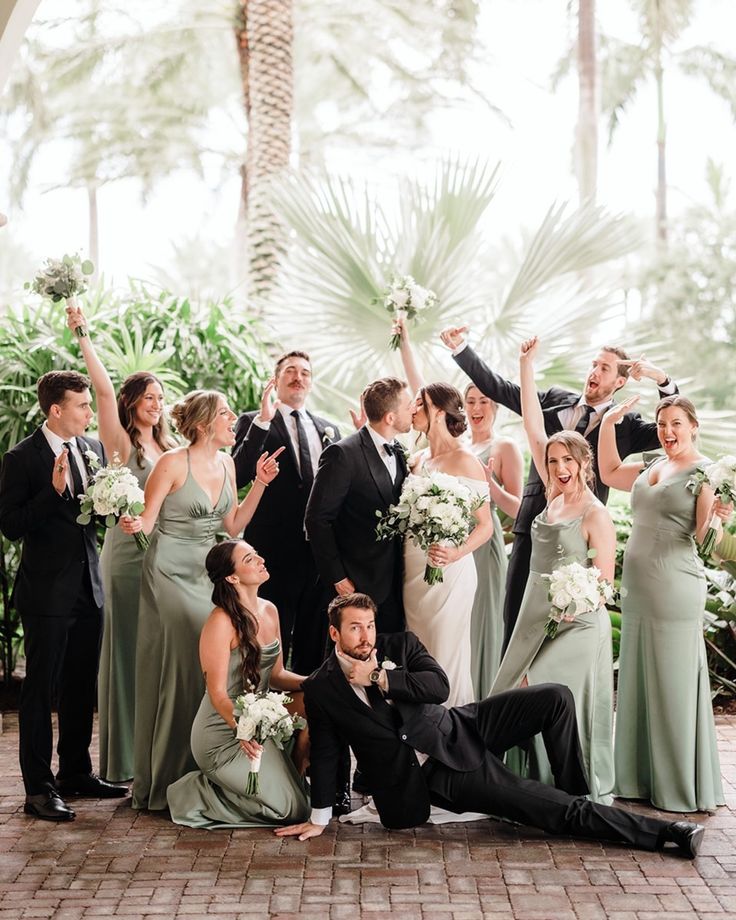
x=404, y=298
x=63, y=279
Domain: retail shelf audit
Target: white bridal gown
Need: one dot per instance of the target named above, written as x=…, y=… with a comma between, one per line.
x=439, y=615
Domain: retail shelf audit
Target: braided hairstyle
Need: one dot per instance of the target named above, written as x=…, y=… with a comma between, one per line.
x=219, y=564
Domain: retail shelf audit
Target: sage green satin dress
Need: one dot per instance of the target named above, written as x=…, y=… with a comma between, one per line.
x=486, y=620
x=665, y=746
x=579, y=656
x=214, y=796
x=175, y=601
x=121, y=563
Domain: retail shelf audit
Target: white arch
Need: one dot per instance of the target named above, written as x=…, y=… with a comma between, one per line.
x=15, y=17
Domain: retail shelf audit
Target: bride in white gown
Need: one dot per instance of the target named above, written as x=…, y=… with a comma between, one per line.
x=439, y=615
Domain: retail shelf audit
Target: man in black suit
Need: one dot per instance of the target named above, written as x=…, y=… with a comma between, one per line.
x=382, y=695
x=357, y=477
x=58, y=593
x=563, y=409
x=277, y=528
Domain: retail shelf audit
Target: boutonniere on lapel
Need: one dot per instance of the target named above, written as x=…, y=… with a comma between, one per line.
x=389, y=665
x=329, y=436
x=91, y=460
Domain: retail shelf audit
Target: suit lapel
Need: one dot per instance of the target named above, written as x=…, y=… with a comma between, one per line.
x=551, y=413
x=279, y=425
x=317, y=422
x=44, y=448
x=377, y=468
x=351, y=698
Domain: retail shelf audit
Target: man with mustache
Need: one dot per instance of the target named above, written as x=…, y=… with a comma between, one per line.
x=277, y=527
x=563, y=410
x=382, y=695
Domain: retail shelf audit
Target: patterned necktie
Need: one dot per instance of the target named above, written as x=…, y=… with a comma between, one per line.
x=305, y=459
x=77, y=484
x=584, y=420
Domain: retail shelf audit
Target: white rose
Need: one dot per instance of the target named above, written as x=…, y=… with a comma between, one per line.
x=246, y=728
x=561, y=600
x=388, y=665
x=329, y=432
x=400, y=298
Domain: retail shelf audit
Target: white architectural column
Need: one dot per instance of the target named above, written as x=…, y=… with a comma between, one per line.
x=15, y=16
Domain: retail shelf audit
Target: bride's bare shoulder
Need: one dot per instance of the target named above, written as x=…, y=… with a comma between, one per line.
x=463, y=463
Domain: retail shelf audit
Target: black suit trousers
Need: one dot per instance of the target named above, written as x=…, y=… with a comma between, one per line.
x=517, y=576
x=62, y=657
x=504, y=721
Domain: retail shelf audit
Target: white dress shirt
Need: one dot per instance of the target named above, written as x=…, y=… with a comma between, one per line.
x=389, y=460
x=56, y=444
x=313, y=438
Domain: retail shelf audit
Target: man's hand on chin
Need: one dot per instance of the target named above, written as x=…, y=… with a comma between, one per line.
x=304, y=831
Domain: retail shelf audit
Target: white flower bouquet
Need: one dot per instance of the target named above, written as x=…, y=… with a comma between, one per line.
x=63, y=279
x=721, y=477
x=111, y=492
x=432, y=509
x=264, y=717
x=575, y=589
x=404, y=298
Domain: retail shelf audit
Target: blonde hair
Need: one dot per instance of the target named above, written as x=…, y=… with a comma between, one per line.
x=580, y=451
x=197, y=409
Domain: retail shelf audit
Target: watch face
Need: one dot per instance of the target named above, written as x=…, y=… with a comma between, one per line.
x=374, y=676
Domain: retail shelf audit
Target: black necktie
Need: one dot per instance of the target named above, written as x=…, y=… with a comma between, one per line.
x=582, y=425
x=305, y=458
x=77, y=484
x=378, y=702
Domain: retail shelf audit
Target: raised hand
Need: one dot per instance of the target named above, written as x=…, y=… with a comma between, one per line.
x=453, y=336
x=618, y=411
x=641, y=367
x=267, y=467
x=358, y=671
x=359, y=418
x=268, y=405
x=528, y=349
x=58, y=474
x=75, y=319
x=488, y=470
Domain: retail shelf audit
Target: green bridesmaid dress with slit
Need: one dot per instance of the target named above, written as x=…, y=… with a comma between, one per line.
x=580, y=657
x=665, y=745
x=214, y=796
x=175, y=601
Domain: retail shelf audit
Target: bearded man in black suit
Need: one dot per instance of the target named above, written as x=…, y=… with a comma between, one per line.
x=277, y=527
x=563, y=410
x=58, y=593
x=357, y=477
x=382, y=695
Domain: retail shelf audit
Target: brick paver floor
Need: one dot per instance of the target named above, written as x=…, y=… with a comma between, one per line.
x=114, y=862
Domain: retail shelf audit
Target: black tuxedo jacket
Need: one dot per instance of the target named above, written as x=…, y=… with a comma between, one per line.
x=384, y=740
x=351, y=484
x=56, y=550
x=277, y=527
x=633, y=434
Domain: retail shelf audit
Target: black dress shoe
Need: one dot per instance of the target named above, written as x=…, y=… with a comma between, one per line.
x=687, y=836
x=48, y=806
x=91, y=786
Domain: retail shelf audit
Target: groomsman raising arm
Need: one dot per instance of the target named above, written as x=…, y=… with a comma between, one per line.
x=562, y=409
x=277, y=527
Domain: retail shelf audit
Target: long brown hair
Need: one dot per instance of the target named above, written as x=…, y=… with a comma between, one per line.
x=219, y=564
x=446, y=397
x=131, y=393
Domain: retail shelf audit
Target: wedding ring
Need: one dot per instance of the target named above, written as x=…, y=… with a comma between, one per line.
x=60, y=468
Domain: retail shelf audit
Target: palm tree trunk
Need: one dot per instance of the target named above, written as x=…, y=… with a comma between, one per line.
x=587, y=129
x=264, y=35
x=94, y=229
x=661, y=215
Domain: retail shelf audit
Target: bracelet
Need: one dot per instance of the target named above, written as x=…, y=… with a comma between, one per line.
x=264, y=484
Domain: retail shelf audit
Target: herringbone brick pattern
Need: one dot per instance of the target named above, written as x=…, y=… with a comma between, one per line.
x=113, y=862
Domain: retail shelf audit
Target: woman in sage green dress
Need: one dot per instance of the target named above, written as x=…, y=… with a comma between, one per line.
x=239, y=650
x=503, y=465
x=574, y=527
x=665, y=747
x=132, y=428
x=191, y=495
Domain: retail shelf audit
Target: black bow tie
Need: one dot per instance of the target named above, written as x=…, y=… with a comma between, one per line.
x=392, y=448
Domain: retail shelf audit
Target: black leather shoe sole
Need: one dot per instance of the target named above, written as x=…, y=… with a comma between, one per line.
x=48, y=814
x=103, y=792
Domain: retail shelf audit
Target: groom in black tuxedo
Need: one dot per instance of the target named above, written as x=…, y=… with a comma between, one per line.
x=382, y=695
x=357, y=477
x=58, y=593
x=277, y=527
x=563, y=410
